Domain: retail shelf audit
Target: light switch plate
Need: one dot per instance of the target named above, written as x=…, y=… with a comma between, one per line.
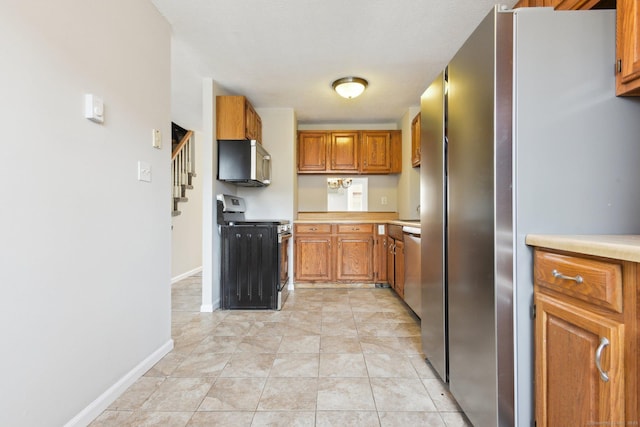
x=144, y=171
x=157, y=139
x=93, y=108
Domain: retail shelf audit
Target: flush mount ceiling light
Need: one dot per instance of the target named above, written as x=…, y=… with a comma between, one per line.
x=350, y=87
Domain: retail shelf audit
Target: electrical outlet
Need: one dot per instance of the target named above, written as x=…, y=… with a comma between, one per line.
x=383, y=200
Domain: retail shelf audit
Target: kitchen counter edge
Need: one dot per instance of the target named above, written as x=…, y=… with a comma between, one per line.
x=621, y=246
x=358, y=221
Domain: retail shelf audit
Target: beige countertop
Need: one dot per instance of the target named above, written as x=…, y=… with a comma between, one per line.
x=624, y=246
x=353, y=217
x=415, y=223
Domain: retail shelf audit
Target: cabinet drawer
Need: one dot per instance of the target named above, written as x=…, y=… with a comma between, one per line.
x=596, y=282
x=355, y=228
x=313, y=228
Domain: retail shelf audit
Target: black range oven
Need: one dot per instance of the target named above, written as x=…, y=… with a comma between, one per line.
x=254, y=255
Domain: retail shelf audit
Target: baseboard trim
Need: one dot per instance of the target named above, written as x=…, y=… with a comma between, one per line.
x=210, y=308
x=185, y=275
x=103, y=401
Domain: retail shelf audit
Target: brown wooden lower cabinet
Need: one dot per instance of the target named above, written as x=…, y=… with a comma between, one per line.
x=380, y=254
x=313, y=253
x=343, y=253
x=586, y=340
x=354, y=256
x=395, y=259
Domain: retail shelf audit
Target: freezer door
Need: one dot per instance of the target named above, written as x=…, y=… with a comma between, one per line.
x=433, y=195
x=479, y=123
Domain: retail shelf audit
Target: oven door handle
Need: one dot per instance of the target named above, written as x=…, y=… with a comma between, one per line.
x=284, y=236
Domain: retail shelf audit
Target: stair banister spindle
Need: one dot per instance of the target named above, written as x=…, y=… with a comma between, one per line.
x=182, y=169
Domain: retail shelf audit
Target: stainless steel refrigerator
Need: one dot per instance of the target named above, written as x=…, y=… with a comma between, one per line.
x=524, y=136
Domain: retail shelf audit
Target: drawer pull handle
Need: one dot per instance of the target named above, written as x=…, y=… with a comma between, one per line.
x=578, y=278
x=313, y=229
x=603, y=343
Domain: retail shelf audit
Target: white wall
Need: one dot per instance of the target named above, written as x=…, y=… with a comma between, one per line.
x=276, y=201
x=85, y=247
x=312, y=192
x=409, y=183
x=186, y=228
x=186, y=110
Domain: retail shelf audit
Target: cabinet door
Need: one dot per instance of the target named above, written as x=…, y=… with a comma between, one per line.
x=399, y=268
x=258, y=128
x=344, y=152
x=354, y=260
x=313, y=258
x=415, y=141
x=376, y=152
x=391, y=262
x=312, y=151
x=250, y=121
x=628, y=47
x=380, y=259
x=528, y=3
x=569, y=387
x=230, y=117
x=396, y=151
x=236, y=119
x=570, y=4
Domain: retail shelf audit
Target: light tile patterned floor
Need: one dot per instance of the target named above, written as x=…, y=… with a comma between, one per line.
x=331, y=357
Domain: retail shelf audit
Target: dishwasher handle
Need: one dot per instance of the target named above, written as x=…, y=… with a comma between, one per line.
x=416, y=231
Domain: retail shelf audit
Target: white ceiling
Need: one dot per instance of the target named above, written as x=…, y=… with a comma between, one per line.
x=286, y=53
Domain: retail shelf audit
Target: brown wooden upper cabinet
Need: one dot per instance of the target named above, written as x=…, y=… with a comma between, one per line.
x=236, y=119
x=560, y=4
x=376, y=152
x=415, y=141
x=628, y=47
x=350, y=152
x=312, y=152
x=343, y=152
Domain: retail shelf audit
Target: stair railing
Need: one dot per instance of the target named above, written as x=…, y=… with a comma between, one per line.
x=182, y=169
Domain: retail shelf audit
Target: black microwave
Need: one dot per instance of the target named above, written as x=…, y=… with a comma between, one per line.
x=243, y=162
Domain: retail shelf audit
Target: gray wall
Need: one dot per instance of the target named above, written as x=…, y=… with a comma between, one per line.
x=85, y=261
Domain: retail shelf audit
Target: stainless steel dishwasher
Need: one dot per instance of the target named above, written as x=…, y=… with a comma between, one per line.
x=412, y=288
